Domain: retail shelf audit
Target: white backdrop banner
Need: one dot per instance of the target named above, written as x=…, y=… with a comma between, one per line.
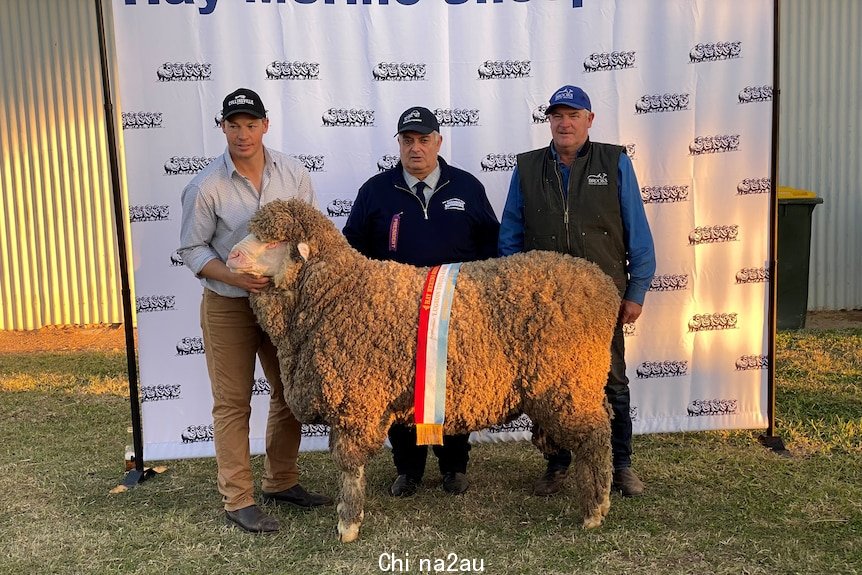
x=685, y=85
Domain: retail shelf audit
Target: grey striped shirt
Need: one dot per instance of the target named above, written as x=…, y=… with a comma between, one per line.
x=219, y=202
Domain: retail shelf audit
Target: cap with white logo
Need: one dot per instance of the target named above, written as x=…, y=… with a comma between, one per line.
x=242, y=101
x=570, y=96
x=418, y=119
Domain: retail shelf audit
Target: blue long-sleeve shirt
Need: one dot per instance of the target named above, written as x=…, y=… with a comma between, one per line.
x=640, y=251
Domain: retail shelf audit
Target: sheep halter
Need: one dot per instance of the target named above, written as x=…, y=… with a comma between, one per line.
x=431, y=353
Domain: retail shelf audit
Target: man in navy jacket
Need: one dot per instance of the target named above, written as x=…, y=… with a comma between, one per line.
x=423, y=212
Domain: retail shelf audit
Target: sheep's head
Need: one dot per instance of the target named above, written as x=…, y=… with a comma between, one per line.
x=278, y=260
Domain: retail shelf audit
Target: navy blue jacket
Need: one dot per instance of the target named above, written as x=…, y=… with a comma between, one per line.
x=389, y=222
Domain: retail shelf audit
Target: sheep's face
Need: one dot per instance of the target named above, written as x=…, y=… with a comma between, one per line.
x=257, y=258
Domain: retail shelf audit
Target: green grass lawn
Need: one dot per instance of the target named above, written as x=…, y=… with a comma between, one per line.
x=717, y=502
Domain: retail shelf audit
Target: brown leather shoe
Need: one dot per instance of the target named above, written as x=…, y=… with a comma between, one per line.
x=627, y=483
x=253, y=520
x=455, y=483
x=550, y=483
x=297, y=495
x=403, y=486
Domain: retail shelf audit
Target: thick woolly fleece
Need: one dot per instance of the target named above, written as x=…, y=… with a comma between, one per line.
x=529, y=333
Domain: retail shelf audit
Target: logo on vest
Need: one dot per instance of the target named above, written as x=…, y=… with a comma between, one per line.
x=597, y=179
x=454, y=204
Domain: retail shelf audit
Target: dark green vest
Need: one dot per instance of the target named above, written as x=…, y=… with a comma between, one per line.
x=588, y=223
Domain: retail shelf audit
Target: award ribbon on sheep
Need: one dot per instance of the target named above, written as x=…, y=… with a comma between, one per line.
x=431, y=353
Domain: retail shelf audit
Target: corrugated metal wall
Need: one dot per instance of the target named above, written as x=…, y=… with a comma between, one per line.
x=58, y=256
x=820, y=139
x=57, y=236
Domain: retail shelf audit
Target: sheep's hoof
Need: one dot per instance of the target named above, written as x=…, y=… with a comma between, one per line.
x=594, y=520
x=348, y=532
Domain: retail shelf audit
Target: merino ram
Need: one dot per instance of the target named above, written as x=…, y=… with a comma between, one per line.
x=529, y=333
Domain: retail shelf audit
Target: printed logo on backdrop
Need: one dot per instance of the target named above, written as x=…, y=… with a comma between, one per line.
x=181, y=165
x=751, y=94
x=700, y=407
x=339, y=207
x=141, y=120
x=651, y=103
x=296, y=70
x=398, y=71
x=153, y=303
x=746, y=362
x=311, y=163
x=261, y=387
x=633, y=413
x=197, y=433
x=387, y=162
x=499, y=69
x=653, y=369
x=315, y=430
x=752, y=275
x=713, y=234
x=149, y=213
x=457, y=116
x=522, y=423
x=714, y=144
x=160, y=392
x=754, y=186
x=606, y=61
x=347, y=117
x=190, y=346
x=712, y=51
x=498, y=162
x=712, y=321
x=177, y=259
x=669, y=282
x=664, y=194
x=629, y=330
x=538, y=115
x=184, y=71
x=630, y=150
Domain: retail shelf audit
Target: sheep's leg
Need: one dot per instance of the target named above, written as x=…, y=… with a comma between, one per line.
x=592, y=473
x=350, y=508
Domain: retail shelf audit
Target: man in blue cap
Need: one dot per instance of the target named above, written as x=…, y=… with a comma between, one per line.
x=582, y=198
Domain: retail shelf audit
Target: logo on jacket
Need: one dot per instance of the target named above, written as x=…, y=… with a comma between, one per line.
x=454, y=204
x=597, y=179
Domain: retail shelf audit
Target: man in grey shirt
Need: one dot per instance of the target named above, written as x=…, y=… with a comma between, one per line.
x=217, y=206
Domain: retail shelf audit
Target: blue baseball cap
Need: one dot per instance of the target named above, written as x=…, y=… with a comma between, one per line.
x=570, y=96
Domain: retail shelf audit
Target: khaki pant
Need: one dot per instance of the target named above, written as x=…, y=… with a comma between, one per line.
x=232, y=337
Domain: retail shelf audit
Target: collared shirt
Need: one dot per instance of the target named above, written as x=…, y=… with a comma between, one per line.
x=640, y=251
x=219, y=202
x=430, y=180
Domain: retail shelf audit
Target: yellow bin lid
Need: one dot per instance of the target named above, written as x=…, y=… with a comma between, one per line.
x=788, y=193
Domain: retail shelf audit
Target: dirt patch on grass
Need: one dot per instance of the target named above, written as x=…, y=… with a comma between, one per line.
x=64, y=338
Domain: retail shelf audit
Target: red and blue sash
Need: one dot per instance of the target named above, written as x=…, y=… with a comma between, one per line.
x=431, y=353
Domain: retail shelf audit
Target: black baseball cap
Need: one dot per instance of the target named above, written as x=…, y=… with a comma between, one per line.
x=242, y=101
x=418, y=119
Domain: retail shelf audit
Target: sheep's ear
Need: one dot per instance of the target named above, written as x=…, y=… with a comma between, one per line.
x=304, y=251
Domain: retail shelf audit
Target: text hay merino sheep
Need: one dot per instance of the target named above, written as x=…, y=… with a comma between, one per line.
x=529, y=333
